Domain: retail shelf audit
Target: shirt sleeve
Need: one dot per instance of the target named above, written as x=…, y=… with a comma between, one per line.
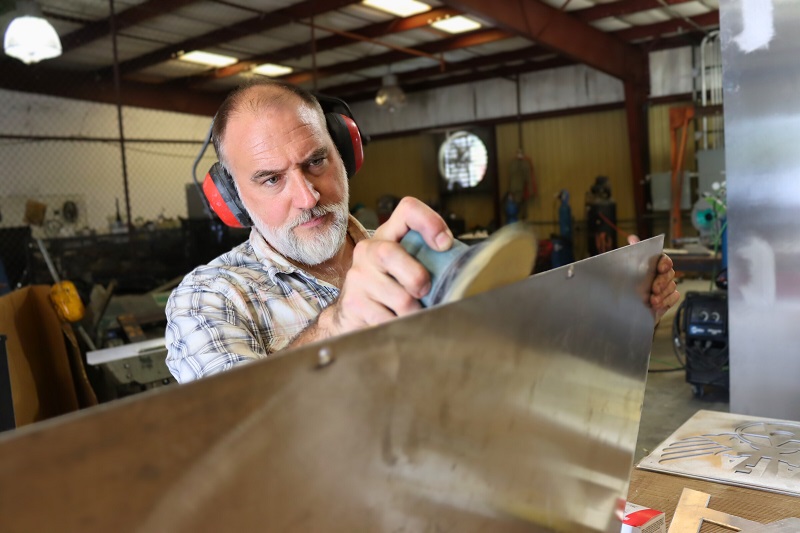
x=208, y=333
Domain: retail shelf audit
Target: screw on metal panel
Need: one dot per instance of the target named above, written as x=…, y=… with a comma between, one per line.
x=324, y=357
x=570, y=271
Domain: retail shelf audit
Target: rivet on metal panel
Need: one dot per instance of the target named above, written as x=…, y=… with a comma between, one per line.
x=324, y=357
x=570, y=271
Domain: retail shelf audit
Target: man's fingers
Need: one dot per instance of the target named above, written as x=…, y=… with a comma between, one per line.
x=662, y=280
x=665, y=264
x=664, y=303
x=375, y=298
x=633, y=239
x=658, y=297
x=389, y=259
x=412, y=214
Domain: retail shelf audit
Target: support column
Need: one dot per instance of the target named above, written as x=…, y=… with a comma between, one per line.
x=636, y=112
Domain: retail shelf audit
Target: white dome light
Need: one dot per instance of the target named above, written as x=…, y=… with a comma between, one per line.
x=31, y=39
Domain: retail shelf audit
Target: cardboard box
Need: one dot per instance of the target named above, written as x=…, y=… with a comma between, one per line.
x=640, y=519
x=45, y=367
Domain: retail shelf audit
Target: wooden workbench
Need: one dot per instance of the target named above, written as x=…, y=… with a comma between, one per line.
x=662, y=492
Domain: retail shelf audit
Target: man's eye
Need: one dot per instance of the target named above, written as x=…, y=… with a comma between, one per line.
x=317, y=162
x=271, y=180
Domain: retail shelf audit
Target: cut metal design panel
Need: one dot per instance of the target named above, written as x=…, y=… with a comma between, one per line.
x=733, y=449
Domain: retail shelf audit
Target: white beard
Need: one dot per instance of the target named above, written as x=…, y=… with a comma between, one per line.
x=316, y=249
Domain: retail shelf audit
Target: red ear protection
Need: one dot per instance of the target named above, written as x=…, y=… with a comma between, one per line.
x=347, y=139
x=221, y=194
x=220, y=191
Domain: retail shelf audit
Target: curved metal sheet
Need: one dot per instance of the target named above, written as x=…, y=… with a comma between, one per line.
x=515, y=410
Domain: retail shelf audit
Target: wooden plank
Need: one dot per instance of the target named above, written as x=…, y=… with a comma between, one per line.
x=662, y=492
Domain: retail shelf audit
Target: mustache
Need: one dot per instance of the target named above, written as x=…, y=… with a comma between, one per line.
x=309, y=214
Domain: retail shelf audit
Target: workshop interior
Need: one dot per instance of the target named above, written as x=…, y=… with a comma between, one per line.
x=611, y=130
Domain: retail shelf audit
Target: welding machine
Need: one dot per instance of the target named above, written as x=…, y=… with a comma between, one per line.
x=700, y=336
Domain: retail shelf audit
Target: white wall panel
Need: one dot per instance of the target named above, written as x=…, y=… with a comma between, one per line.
x=149, y=123
x=496, y=98
x=34, y=114
x=547, y=90
x=49, y=170
x=671, y=72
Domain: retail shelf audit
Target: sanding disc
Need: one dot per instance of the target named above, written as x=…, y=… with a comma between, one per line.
x=508, y=256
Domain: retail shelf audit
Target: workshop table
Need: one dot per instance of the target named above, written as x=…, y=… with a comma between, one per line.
x=662, y=491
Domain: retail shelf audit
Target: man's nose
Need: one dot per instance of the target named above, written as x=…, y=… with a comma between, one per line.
x=304, y=195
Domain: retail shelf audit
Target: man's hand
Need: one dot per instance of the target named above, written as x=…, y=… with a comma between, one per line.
x=664, y=292
x=384, y=281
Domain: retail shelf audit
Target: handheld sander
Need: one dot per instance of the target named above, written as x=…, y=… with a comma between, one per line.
x=507, y=256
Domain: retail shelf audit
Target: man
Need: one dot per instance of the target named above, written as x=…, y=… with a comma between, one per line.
x=309, y=270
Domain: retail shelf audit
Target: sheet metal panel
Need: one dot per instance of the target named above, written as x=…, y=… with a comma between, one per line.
x=760, y=46
x=515, y=410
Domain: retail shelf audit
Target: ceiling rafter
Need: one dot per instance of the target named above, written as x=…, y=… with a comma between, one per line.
x=563, y=33
x=621, y=8
x=85, y=86
x=371, y=31
x=361, y=89
x=529, y=53
x=187, y=94
x=398, y=25
x=670, y=26
x=464, y=40
x=131, y=16
x=228, y=33
x=470, y=77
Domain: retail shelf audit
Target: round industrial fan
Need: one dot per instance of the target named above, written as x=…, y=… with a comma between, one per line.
x=705, y=221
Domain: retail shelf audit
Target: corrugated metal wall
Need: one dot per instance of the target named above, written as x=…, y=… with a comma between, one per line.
x=568, y=152
x=404, y=166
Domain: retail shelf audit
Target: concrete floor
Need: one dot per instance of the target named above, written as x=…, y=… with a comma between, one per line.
x=668, y=400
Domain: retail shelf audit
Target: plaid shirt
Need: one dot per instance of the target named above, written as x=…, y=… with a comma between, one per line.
x=243, y=306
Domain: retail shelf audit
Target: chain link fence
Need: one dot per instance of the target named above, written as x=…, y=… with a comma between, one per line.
x=106, y=207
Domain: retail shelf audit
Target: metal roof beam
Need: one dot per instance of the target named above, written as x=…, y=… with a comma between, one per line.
x=250, y=26
x=133, y=15
x=561, y=32
x=372, y=31
x=465, y=40
x=38, y=80
x=670, y=26
x=470, y=77
x=621, y=8
x=360, y=89
x=404, y=78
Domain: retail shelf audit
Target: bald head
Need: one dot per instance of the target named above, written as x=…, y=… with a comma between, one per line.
x=254, y=98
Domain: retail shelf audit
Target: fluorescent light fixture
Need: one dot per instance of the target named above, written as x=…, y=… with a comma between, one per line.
x=457, y=24
x=401, y=8
x=29, y=37
x=208, y=59
x=272, y=70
